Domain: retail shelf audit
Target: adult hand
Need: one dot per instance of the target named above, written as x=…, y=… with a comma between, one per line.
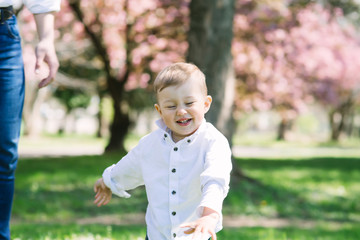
x=45, y=52
x=45, y=49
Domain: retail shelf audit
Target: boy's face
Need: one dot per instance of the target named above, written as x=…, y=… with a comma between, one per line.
x=183, y=107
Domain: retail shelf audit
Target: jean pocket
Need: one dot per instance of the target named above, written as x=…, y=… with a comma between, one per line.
x=13, y=31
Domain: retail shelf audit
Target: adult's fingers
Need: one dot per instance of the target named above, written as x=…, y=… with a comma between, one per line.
x=48, y=56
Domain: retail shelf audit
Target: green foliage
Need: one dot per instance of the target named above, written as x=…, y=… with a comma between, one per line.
x=72, y=97
x=139, y=98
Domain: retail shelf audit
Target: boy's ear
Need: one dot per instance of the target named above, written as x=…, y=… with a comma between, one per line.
x=157, y=107
x=208, y=101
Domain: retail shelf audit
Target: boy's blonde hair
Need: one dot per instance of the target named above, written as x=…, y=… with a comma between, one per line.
x=177, y=74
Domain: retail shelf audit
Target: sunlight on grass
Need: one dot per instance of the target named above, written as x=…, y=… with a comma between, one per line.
x=53, y=194
x=101, y=232
x=78, y=232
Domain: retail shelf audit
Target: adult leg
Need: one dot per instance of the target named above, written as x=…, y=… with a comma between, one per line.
x=11, y=104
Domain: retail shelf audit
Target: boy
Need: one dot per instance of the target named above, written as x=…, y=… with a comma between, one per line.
x=185, y=164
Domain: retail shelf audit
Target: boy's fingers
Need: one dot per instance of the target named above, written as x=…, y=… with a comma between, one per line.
x=213, y=236
x=98, y=193
x=106, y=201
x=103, y=201
x=97, y=198
x=197, y=234
x=98, y=202
x=188, y=224
x=189, y=231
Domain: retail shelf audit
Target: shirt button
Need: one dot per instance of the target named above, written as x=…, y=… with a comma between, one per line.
x=173, y=170
x=173, y=192
x=165, y=135
x=173, y=213
x=189, y=141
x=175, y=149
x=174, y=234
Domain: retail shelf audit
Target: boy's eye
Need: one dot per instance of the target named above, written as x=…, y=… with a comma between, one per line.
x=170, y=107
x=189, y=103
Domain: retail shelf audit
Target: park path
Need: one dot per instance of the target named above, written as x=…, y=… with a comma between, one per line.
x=238, y=151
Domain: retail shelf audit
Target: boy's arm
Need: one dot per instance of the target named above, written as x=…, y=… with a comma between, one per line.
x=214, y=186
x=103, y=193
x=204, y=226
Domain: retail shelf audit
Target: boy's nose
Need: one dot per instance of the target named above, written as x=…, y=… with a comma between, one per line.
x=181, y=111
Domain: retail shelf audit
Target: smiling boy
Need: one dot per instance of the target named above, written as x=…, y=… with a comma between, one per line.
x=185, y=164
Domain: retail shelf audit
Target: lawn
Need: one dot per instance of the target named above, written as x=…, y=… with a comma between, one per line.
x=312, y=198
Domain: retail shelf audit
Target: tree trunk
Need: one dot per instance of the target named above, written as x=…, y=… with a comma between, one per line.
x=121, y=121
x=338, y=117
x=210, y=38
x=284, y=126
x=118, y=130
x=99, y=117
x=115, y=85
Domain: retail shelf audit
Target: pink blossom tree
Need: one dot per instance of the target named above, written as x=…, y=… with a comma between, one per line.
x=328, y=59
x=132, y=40
x=119, y=45
x=286, y=59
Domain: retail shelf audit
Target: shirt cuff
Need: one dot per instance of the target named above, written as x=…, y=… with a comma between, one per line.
x=115, y=188
x=212, y=197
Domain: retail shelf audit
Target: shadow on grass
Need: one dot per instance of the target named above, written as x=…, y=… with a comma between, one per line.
x=313, y=188
x=60, y=190
x=102, y=232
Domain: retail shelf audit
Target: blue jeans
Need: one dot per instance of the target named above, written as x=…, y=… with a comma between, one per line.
x=12, y=84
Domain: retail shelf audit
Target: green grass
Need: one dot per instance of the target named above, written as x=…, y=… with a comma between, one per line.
x=317, y=197
x=315, y=188
x=101, y=232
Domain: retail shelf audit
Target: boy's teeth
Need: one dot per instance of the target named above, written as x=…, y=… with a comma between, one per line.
x=183, y=121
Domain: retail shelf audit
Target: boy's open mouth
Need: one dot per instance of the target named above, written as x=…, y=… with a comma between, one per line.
x=184, y=122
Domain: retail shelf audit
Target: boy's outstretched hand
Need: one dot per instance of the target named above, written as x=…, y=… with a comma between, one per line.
x=203, y=226
x=103, y=193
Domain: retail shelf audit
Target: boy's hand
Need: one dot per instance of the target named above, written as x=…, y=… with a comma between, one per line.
x=103, y=193
x=204, y=225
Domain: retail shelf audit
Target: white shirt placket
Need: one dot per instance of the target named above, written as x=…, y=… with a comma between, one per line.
x=174, y=187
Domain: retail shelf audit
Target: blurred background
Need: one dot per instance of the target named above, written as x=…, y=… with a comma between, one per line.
x=293, y=73
x=284, y=76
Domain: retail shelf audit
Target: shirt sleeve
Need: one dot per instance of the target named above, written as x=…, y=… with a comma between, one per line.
x=215, y=178
x=42, y=6
x=125, y=175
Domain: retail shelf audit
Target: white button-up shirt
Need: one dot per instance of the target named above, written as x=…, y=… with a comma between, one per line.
x=35, y=6
x=180, y=178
